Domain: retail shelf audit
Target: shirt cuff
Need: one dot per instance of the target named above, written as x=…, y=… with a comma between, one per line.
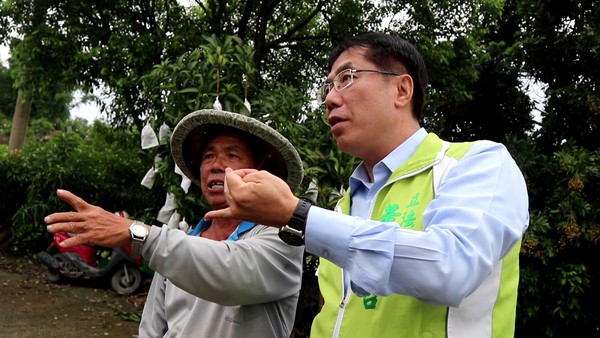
x=327, y=235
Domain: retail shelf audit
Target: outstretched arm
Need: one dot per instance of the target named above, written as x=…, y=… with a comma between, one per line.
x=90, y=223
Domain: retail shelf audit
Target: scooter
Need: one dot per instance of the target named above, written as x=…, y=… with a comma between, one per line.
x=92, y=262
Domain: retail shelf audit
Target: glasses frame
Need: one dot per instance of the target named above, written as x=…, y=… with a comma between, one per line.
x=324, y=90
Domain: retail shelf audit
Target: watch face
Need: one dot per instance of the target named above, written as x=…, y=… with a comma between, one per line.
x=139, y=230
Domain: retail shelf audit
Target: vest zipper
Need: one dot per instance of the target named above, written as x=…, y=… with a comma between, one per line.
x=342, y=307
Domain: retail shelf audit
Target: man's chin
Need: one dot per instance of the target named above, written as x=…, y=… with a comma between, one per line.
x=217, y=204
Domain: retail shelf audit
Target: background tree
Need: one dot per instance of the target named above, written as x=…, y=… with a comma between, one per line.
x=8, y=94
x=113, y=43
x=52, y=106
x=560, y=48
x=39, y=62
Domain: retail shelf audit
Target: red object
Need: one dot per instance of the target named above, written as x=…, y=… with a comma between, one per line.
x=86, y=252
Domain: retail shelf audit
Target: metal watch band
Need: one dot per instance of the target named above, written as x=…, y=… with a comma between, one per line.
x=137, y=241
x=136, y=249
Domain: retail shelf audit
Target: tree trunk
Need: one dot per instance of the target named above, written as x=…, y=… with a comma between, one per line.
x=19, y=124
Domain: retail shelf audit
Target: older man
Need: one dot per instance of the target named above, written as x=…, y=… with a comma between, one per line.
x=226, y=278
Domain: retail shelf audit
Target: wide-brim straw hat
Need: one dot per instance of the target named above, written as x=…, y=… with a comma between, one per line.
x=191, y=134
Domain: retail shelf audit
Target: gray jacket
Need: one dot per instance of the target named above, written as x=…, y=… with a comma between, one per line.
x=205, y=288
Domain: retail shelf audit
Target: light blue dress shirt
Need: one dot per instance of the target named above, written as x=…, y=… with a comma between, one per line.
x=479, y=212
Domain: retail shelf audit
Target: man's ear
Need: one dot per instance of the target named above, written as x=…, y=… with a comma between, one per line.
x=405, y=86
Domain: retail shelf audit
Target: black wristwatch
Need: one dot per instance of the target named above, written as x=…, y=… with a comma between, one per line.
x=293, y=232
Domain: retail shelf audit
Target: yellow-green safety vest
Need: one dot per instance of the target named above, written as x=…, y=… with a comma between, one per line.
x=488, y=312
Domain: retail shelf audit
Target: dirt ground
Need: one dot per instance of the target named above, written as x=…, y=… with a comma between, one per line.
x=30, y=306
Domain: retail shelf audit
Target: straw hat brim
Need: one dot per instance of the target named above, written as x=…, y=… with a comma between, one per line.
x=189, y=137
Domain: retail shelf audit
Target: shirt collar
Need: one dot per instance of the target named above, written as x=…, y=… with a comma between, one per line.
x=388, y=164
x=242, y=228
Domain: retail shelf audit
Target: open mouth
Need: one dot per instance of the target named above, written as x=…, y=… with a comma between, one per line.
x=216, y=185
x=333, y=120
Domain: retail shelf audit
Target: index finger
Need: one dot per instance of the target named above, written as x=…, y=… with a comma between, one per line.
x=221, y=213
x=73, y=200
x=63, y=217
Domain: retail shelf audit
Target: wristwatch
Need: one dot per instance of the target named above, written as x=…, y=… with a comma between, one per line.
x=293, y=232
x=139, y=232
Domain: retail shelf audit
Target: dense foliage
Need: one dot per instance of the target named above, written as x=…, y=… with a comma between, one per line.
x=96, y=163
x=160, y=60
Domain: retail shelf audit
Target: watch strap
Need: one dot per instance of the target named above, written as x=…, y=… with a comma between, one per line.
x=293, y=232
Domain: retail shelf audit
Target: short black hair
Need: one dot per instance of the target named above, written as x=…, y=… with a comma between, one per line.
x=386, y=51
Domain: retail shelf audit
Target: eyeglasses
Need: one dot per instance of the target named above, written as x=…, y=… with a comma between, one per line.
x=343, y=80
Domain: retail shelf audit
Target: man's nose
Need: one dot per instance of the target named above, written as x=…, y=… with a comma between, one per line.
x=218, y=165
x=332, y=100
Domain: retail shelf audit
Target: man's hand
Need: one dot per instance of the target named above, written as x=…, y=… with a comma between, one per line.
x=91, y=224
x=256, y=196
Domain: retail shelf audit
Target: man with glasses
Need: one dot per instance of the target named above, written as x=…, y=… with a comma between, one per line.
x=425, y=242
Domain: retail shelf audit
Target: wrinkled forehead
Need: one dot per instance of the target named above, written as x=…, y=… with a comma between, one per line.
x=200, y=138
x=229, y=140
